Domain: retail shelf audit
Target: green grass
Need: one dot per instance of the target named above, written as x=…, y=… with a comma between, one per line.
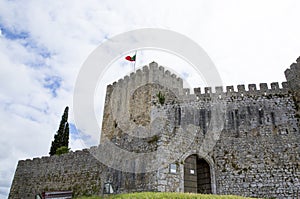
x=159, y=195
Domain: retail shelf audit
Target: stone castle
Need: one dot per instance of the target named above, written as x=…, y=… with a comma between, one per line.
x=157, y=136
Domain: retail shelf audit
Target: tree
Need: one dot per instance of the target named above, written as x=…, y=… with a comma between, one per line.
x=61, y=138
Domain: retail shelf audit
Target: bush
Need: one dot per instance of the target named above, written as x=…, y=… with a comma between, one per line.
x=161, y=98
x=62, y=150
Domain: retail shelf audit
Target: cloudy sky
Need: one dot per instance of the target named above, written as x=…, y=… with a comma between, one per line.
x=43, y=45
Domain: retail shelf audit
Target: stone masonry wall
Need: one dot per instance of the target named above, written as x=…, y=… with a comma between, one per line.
x=292, y=75
x=77, y=171
x=258, y=139
x=257, y=153
x=249, y=138
x=259, y=156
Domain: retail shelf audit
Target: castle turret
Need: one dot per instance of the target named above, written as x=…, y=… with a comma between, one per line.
x=293, y=78
x=130, y=98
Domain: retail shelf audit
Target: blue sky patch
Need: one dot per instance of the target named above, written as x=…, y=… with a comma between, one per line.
x=77, y=135
x=13, y=34
x=74, y=131
x=52, y=83
x=38, y=49
x=185, y=75
x=24, y=38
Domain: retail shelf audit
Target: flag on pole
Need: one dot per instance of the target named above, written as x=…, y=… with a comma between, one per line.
x=132, y=59
x=129, y=58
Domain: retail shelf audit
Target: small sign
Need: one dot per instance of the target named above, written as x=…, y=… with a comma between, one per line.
x=108, y=189
x=192, y=171
x=173, y=168
x=55, y=195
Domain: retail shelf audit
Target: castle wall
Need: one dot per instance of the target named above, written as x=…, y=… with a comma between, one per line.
x=77, y=171
x=292, y=75
x=257, y=153
x=249, y=137
x=117, y=103
x=256, y=149
x=258, y=165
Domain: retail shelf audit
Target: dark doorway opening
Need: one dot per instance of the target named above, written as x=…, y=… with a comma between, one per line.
x=196, y=175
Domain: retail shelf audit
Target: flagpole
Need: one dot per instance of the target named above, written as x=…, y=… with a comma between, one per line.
x=134, y=62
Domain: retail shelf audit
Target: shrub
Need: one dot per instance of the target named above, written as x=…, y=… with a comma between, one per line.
x=161, y=98
x=62, y=150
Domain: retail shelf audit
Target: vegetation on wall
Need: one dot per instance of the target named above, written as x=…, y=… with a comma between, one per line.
x=153, y=139
x=161, y=98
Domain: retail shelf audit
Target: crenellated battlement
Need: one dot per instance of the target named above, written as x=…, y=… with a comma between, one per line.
x=157, y=74
x=293, y=78
x=150, y=74
x=293, y=72
x=241, y=90
x=230, y=91
x=58, y=157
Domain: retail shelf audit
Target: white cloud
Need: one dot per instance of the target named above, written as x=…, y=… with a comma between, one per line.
x=249, y=41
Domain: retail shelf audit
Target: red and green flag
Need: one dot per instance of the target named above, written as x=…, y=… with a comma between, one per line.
x=129, y=58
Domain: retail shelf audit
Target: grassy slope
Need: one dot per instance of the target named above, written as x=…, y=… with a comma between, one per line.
x=158, y=195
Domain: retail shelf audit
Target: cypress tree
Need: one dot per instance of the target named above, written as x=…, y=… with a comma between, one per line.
x=66, y=136
x=61, y=138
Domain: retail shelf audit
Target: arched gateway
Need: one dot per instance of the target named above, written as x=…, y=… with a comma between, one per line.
x=196, y=175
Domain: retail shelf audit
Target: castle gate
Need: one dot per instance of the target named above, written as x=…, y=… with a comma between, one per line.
x=196, y=175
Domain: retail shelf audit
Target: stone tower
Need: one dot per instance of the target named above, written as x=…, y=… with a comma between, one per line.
x=128, y=101
x=293, y=78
